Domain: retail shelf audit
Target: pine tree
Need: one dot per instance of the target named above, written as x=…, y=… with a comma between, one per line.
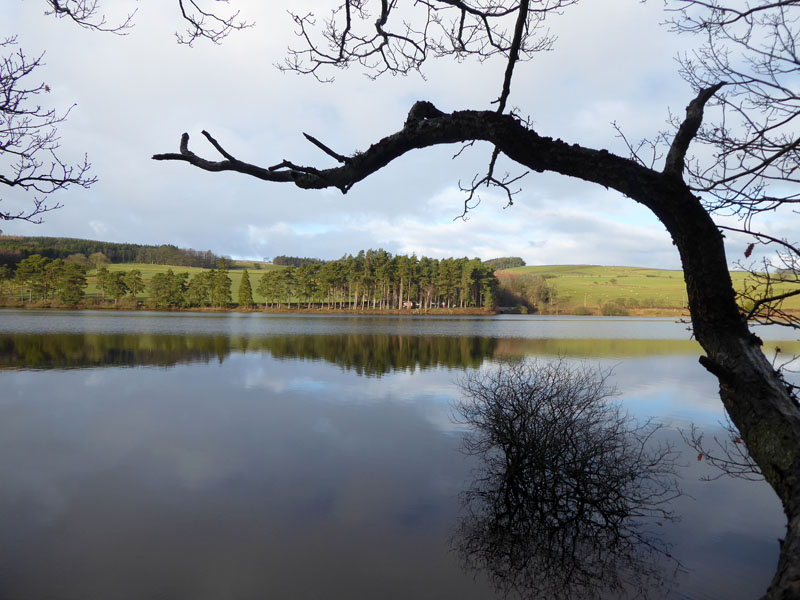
x=245, y=291
x=134, y=282
x=115, y=285
x=70, y=284
x=221, y=285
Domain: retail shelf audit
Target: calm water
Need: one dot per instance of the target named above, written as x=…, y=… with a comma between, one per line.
x=209, y=456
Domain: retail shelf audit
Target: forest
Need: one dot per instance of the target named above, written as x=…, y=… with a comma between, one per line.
x=377, y=280
x=505, y=262
x=372, y=279
x=14, y=249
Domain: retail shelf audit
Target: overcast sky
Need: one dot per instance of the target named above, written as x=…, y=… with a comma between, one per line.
x=136, y=94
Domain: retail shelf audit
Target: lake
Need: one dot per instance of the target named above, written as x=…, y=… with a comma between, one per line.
x=238, y=456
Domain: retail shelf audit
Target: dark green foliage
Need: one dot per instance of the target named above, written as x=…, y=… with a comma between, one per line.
x=30, y=276
x=221, y=285
x=115, y=285
x=134, y=282
x=374, y=279
x=295, y=261
x=102, y=279
x=13, y=249
x=40, y=279
x=275, y=286
x=70, y=283
x=198, y=293
x=168, y=289
x=245, y=291
x=504, y=262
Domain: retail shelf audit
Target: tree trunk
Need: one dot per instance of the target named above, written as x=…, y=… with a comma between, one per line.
x=756, y=398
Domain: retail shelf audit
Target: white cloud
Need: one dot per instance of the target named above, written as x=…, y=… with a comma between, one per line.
x=136, y=94
x=98, y=227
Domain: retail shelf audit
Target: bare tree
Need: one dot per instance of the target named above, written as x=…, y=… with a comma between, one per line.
x=750, y=160
x=87, y=14
x=752, y=133
x=29, y=142
x=749, y=170
x=753, y=125
x=569, y=490
x=201, y=22
x=30, y=147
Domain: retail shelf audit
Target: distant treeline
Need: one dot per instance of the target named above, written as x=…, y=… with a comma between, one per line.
x=14, y=249
x=375, y=279
x=295, y=261
x=504, y=262
x=372, y=279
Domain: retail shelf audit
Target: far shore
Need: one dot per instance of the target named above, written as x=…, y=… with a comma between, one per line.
x=129, y=306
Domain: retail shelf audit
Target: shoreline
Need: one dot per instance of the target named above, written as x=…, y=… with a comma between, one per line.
x=417, y=312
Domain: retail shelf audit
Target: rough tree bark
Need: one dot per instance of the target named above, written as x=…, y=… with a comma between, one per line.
x=757, y=399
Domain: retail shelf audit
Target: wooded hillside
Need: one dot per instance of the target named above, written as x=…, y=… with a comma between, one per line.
x=14, y=249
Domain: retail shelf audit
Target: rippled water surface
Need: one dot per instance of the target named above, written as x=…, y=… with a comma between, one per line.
x=156, y=455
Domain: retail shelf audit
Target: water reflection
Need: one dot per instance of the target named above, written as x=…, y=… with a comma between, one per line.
x=260, y=462
x=569, y=491
x=364, y=353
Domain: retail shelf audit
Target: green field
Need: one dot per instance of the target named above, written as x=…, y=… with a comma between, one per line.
x=593, y=286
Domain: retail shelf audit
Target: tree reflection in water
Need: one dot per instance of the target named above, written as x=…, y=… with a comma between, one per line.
x=366, y=354
x=569, y=489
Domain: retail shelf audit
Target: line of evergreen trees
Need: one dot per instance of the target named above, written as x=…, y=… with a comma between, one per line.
x=505, y=262
x=295, y=261
x=39, y=278
x=14, y=249
x=207, y=288
x=375, y=279
x=372, y=279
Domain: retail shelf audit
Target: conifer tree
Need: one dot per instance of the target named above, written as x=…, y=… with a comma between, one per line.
x=245, y=291
x=134, y=282
x=221, y=285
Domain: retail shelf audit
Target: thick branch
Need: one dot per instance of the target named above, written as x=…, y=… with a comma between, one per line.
x=688, y=130
x=511, y=136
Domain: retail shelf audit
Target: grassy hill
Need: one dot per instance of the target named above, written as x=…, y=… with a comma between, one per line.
x=591, y=287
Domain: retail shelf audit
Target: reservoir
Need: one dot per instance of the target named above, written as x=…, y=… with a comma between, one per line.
x=237, y=456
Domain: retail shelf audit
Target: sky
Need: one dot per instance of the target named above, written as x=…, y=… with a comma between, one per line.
x=134, y=95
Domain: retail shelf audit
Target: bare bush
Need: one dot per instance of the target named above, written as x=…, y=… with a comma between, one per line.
x=569, y=487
